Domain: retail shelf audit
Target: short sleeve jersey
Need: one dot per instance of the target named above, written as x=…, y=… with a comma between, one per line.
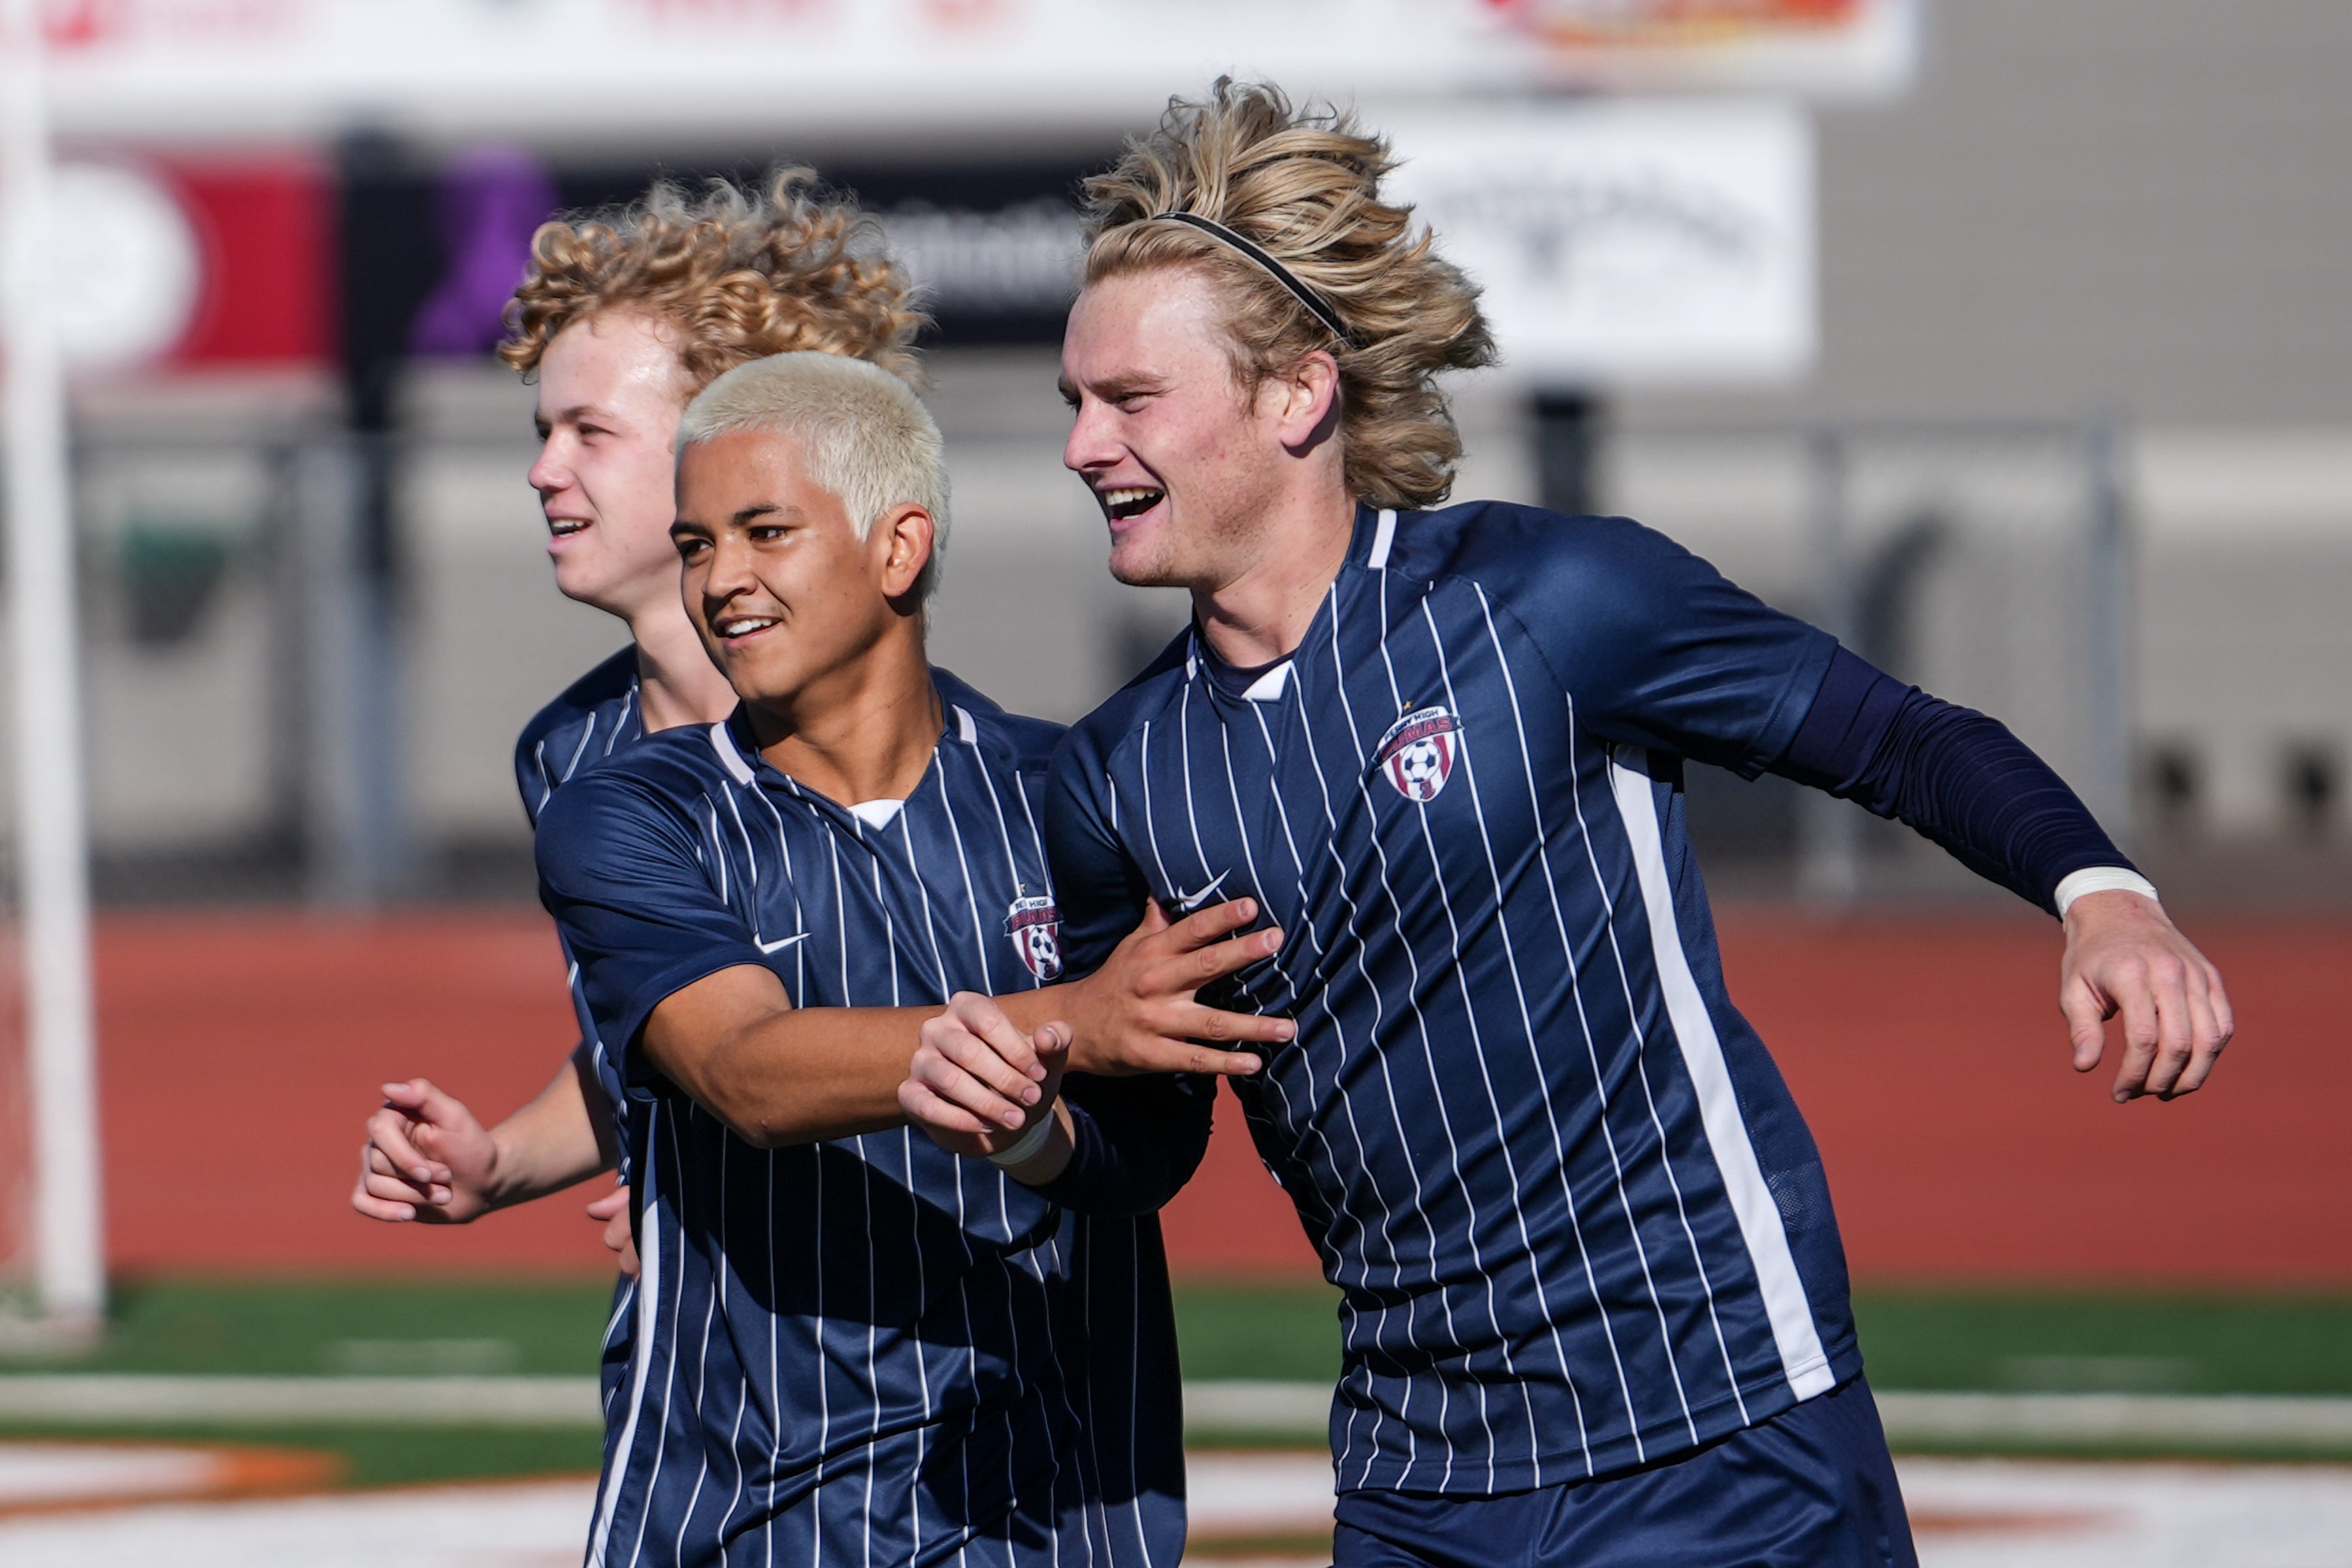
x=867, y=1349
x=1576, y=1218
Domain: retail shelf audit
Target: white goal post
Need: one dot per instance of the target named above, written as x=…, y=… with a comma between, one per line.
x=52, y=840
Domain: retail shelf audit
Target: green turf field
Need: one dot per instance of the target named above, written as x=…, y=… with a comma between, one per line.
x=313, y=1327
x=2073, y=1341
x=1913, y=1339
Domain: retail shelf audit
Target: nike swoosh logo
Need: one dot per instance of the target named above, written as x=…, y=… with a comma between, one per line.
x=1187, y=902
x=781, y=943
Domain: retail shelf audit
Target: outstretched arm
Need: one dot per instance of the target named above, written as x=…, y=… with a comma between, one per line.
x=1965, y=782
x=1666, y=654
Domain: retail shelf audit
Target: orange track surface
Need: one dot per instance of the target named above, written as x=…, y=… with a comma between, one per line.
x=240, y=1055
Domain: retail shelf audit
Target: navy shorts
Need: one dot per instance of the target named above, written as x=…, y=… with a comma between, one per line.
x=1811, y=1488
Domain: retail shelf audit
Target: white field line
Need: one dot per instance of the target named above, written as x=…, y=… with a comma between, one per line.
x=113, y=1399
x=2227, y=1420
x=1299, y=1410
x=1970, y=1513
x=1295, y=1409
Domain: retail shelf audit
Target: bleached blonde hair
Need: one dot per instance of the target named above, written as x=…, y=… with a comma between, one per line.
x=736, y=275
x=1303, y=184
x=862, y=432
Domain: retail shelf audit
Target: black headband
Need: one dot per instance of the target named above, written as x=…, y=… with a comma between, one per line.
x=1317, y=306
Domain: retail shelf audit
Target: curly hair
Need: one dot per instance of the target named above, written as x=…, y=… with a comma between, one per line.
x=738, y=276
x=1303, y=186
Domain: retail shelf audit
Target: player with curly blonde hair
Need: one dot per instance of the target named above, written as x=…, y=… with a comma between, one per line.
x=738, y=276
x=1593, y=1304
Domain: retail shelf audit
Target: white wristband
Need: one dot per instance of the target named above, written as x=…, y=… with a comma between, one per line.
x=2099, y=880
x=1025, y=1149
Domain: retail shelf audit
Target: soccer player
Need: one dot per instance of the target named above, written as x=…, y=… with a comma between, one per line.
x=857, y=1346
x=623, y=316
x=1594, y=1305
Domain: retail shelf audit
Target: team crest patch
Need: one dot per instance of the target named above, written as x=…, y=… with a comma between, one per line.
x=1419, y=751
x=1035, y=926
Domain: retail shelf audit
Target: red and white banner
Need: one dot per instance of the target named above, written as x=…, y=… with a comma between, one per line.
x=191, y=264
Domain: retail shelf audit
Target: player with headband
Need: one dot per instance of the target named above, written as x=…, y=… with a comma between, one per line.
x=1594, y=1305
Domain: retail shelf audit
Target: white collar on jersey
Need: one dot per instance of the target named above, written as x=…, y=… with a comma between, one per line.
x=876, y=813
x=1267, y=687
x=729, y=757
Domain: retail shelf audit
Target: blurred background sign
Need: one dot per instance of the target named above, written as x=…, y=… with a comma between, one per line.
x=220, y=68
x=1655, y=242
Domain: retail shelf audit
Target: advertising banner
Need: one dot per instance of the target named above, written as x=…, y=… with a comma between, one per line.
x=868, y=67
x=1627, y=242
x=1618, y=242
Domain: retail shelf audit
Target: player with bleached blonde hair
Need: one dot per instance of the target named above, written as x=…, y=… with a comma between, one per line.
x=662, y=337
x=1593, y=1300
x=625, y=314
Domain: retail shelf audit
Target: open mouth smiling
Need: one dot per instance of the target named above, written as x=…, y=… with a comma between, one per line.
x=565, y=527
x=1128, y=501
x=735, y=628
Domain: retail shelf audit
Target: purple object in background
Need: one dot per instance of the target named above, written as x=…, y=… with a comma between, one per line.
x=491, y=199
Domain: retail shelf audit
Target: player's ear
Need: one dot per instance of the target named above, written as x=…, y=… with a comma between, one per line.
x=902, y=539
x=1310, y=402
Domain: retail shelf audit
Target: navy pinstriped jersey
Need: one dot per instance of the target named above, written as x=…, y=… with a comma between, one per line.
x=1576, y=1217
x=594, y=717
x=591, y=719
x=865, y=1351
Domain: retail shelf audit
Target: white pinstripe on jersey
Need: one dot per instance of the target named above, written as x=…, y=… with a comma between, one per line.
x=1500, y=1119
x=905, y=1391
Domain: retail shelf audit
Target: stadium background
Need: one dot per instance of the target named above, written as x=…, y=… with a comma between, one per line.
x=2077, y=329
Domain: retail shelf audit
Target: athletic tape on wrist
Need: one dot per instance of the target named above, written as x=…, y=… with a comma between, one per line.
x=1317, y=306
x=2099, y=880
x=1025, y=1148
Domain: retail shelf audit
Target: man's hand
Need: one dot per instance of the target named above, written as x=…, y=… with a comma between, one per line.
x=426, y=1159
x=978, y=1081
x=952, y=1073
x=976, y=1072
x=1136, y=1012
x=612, y=1208
x=2123, y=955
